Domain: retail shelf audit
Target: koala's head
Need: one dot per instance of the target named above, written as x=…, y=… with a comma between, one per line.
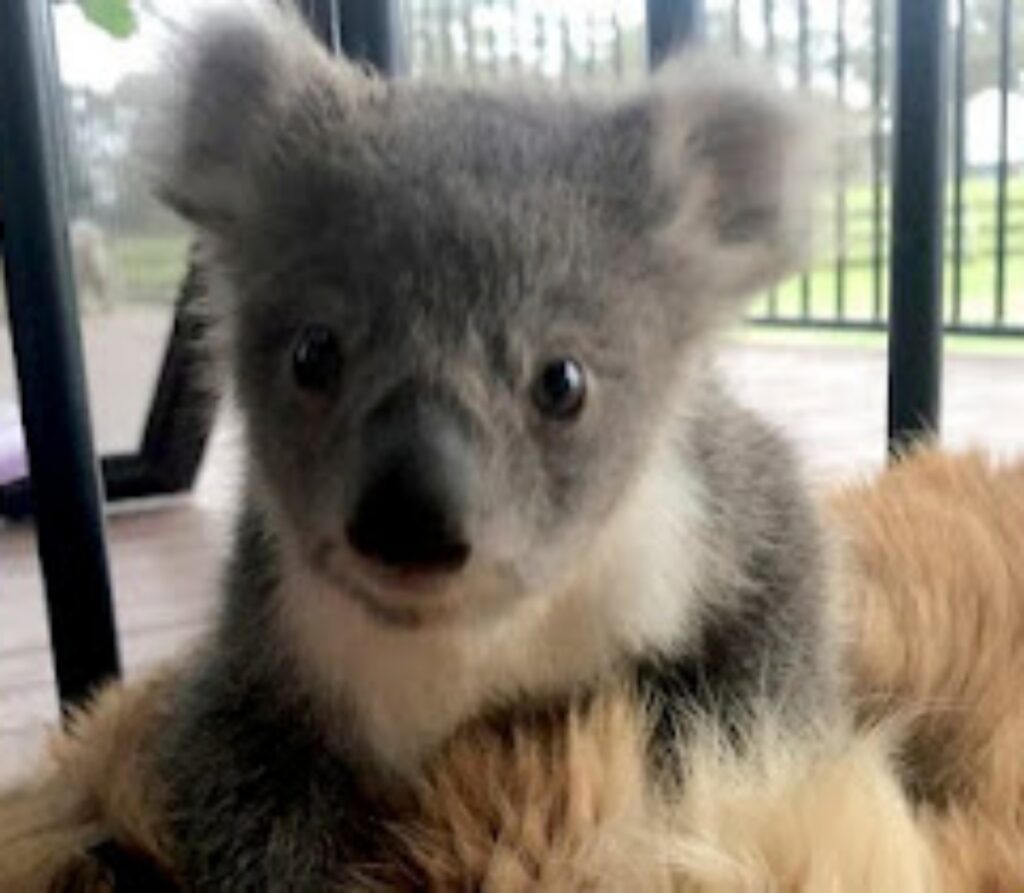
x=460, y=320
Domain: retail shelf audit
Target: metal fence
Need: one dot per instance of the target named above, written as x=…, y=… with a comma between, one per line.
x=838, y=48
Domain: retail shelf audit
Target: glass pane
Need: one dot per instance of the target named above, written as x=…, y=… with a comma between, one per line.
x=129, y=254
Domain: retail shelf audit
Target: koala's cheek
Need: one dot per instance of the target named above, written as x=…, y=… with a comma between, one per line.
x=289, y=478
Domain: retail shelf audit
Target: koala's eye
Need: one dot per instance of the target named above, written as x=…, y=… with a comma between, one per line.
x=560, y=389
x=316, y=360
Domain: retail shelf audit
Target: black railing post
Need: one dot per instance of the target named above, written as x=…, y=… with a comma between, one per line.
x=370, y=33
x=324, y=18
x=671, y=24
x=48, y=354
x=365, y=30
x=915, y=327
x=1006, y=70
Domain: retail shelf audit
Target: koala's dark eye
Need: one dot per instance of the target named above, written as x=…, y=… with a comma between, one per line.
x=316, y=360
x=560, y=389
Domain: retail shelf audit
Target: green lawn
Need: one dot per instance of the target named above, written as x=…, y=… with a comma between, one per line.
x=859, y=339
x=148, y=268
x=977, y=273
x=977, y=292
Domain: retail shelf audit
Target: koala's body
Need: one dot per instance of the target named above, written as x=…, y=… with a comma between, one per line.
x=489, y=465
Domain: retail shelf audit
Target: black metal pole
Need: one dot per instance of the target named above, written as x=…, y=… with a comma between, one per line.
x=365, y=30
x=877, y=143
x=1006, y=68
x=840, y=185
x=915, y=328
x=324, y=18
x=959, y=158
x=370, y=33
x=48, y=355
x=671, y=24
x=804, y=79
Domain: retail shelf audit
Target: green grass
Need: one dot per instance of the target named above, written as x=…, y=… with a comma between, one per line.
x=978, y=269
x=860, y=339
x=148, y=267
x=977, y=290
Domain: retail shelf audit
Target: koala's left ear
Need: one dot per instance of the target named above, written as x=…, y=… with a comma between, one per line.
x=733, y=172
x=249, y=91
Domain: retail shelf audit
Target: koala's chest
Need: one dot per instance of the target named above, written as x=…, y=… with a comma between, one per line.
x=407, y=693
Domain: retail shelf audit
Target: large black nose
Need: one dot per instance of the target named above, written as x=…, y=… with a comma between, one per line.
x=410, y=512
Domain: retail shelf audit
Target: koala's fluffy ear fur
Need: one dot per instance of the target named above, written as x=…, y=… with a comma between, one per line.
x=251, y=86
x=736, y=168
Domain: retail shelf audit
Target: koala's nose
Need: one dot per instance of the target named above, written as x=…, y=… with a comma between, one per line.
x=410, y=513
x=406, y=522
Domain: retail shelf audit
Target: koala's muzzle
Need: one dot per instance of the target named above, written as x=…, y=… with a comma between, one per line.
x=411, y=500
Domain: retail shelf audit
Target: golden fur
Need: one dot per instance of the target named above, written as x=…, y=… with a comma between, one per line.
x=561, y=806
x=936, y=580
x=937, y=549
x=97, y=783
x=569, y=810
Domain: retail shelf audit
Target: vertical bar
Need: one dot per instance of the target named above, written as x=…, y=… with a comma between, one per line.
x=619, y=61
x=517, y=37
x=840, y=74
x=369, y=33
x=492, y=40
x=877, y=179
x=1005, y=75
x=426, y=23
x=671, y=24
x=737, y=28
x=591, y=44
x=915, y=292
x=768, y=14
x=324, y=17
x=959, y=123
x=540, y=42
x=566, y=49
x=468, y=8
x=804, y=70
x=48, y=355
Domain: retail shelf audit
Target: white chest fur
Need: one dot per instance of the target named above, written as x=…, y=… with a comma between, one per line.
x=410, y=688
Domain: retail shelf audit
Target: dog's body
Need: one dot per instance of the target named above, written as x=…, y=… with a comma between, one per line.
x=489, y=468
x=562, y=806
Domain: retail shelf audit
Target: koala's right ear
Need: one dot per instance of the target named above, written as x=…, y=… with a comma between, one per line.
x=721, y=172
x=245, y=86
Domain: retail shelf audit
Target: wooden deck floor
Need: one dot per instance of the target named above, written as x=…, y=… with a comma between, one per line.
x=165, y=558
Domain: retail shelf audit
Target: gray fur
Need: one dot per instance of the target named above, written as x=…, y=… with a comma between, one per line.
x=454, y=241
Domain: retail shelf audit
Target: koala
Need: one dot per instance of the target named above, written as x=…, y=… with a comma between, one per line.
x=488, y=461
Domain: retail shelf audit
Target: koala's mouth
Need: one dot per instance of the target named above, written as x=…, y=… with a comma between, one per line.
x=413, y=599
x=407, y=597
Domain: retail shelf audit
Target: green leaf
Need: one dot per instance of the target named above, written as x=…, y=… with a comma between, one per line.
x=113, y=16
